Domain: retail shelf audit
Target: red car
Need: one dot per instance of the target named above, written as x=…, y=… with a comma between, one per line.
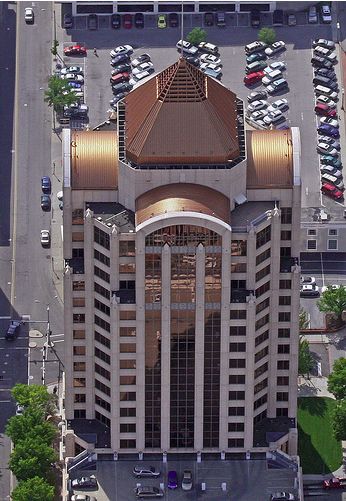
x=331, y=191
x=334, y=483
x=75, y=50
x=324, y=110
x=252, y=78
x=120, y=77
x=127, y=21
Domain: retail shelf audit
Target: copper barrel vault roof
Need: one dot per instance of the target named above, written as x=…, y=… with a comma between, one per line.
x=181, y=197
x=94, y=160
x=181, y=116
x=269, y=159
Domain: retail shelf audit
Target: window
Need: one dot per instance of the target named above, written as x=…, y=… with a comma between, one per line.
x=127, y=248
x=262, y=415
x=101, y=274
x=261, y=338
x=79, y=382
x=127, y=331
x=284, y=333
x=262, y=273
x=286, y=215
x=78, y=318
x=77, y=236
x=102, y=339
x=237, y=347
x=283, y=348
x=102, y=403
x=101, y=237
x=102, y=323
x=286, y=235
x=282, y=396
x=260, y=386
x=127, y=347
x=102, y=356
x=127, y=315
x=79, y=398
x=236, y=411
x=263, y=237
x=333, y=232
x=127, y=268
x=79, y=350
x=285, y=251
x=263, y=305
x=238, y=284
x=127, y=411
x=282, y=380
x=235, y=427
x=78, y=334
x=261, y=354
x=283, y=365
x=237, y=379
x=101, y=290
x=235, y=442
x=79, y=366
x=312, y=233
x=78, y=253
x=284, y=316
x=238, y=314
x=103, y=372
x=127, y=444
x=127, y=364
x=285, y=284
x=261, y=322
x=77, y=216
x=263, y=289
x=78, y=285
x=78, y=302
x=238, y=267
x=128, y=396
x=128, y=428
x=284, y=300
x=236, y=395
x=102, y=387
x=102, y=307
x=103, y=419
x=101, y=257
x=237, y=363
x=79, y=414
x=238, y=248
x=261, y=370
x=312, y=244
x=239, y=330
x=261, y=401
x=282, y=412
x=127, y=379
x=263, y=256
x=332, y=245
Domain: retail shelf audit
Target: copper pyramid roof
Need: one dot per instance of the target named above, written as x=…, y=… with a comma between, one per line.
x=181, y=116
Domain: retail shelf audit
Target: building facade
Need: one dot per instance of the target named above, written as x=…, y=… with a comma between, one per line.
x=181, y=243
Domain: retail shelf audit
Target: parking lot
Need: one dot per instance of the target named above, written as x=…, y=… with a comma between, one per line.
x=244, y=480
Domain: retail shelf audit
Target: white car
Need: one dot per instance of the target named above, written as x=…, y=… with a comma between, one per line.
x=29, y=15
x=330, y=121
x=143, y=67
x=326, y=149
x=276, y=47
x=19, y=409
x=209, y=58
x=326, y=14
x=82, y=497
x=77, y=70
x=280, y=104
x=309, y=291
x=72, y=77
x=121, y=49
x=140, y=76
x=210, y=66
x=186, y=47
x=328, y=54
x=307, y=280
x=332, y=287
x=257, y=105
x=278, y=65
x=77, y=92
x=45, y=237
x=258, y=115
x=326, y=100
x=271, y=77
x=329, y=169
x=273, y=117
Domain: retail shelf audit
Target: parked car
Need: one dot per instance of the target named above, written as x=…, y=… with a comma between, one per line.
x=68, y=21
x=77, y=70
x=329, y=160
x=120, y=59
x=329, y=130
x=278, y=65
x=121, y=50
x=326, y=91
x=29, y=16
x=122, y=68
x=84, y=483
x=209, y=19
x=75, y=50
x=305, y=291
x=195, y=61
x=274, y=117
x=120, y=77
x=322, y=42
x=45, y=238
x=253, y=78
x=304, y=280
x=326, y=14
x=73, y=77
x=12, y=330
x=256, y=46
x=45, y=202
x=20, y=410
x=122, y=87
x=161, y=21
x=173, y=20
x=278, y=17
x=82, y=497
x=291, y=19
x=326, y=149
x=213, y=73
x=220, y=19
x=321, y=62
x=332, y=191
x=256, y=95
x=326, y=483
x=92, y=22
x=139, y=20
x=172, y=479
x=329, y=178
x=186, y=47
x=143, y=58
x=255, y=66
x=140, y=471
x=148, y=492
x=325, y=81
x=140, y=76
x=324, y=110
x=143, y=67
x=127, y=21
x=329, y=140
x=116, y=21
x=209, y=48
x=325, y=72
x=280, y=104
x=330, y=121
x=275, y=48
x=330, y=55
x=257, y=105
x=210, y=66
x=312, y=15
x=46, y=184
x=209, y=58
x=277, y=85
x=186, y=483
x=329, y=169
x=271, y=77
x=114, y=101
x=255, y=56
x=74, y=85
x=258, y=115
x=255, y=18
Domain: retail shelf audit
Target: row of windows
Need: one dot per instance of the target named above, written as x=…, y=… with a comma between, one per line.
x=101, y=237
x=261, y=354
x=102, y=371
x=263, y=256
x=261, y=322
x=102, y=355
x=236, y=395
x=101, y=290
x=263, y=273
x=102, y=307
x=102, y=339
x=102, y=403
x=260, y=401
x=260, y=386
x=261, y=338
x=102, y=323
x=101, y=274
x=263, y=305
x=102, y=387
x=263, y=237
x=238, y=314
x=101, y=257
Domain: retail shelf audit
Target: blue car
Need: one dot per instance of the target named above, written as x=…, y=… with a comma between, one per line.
x=46, y=184
x=328, y=130
x=74, y=85
x=330, y=160
x=172, y=480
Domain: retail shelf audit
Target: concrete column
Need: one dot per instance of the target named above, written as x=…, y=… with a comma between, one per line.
x=224, y=341
x=89, y=311
x=140, y=331
x=199, y=346
x=165, y=345
x=114, y=338
x=250, y=369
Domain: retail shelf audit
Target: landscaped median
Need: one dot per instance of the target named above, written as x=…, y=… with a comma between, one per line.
x=318, y=449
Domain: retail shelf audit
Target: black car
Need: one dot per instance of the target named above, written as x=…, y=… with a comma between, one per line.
x=278, y=17
x=84, y=483
x=113, y=102
x=116, y=21
x=121, y=87
x=92, y=22
x=45, y=202
x=209, y=19
x=325, y=81
x=46, y=184
x=120, y=59
x=325, y=72
x=321, y=62
x=122, y=68
x=139, y=20
x=12, y=330
x=173, y=20
x=195, y=61
x=255, y=18
x=68, y=21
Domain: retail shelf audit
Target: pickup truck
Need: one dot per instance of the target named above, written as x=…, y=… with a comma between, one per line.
x=334, y=483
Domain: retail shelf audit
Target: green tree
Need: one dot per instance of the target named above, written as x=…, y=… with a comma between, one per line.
x=303, y=319
x=54, y=48
x=337, y=379
x=196, y=36
x=267, y=35
x=30, y=424
x=33, y=395
x=33, y=489
x=59, y=93
x=339, y=420
x=333, y=301
x=31, y=458
x=305, y=359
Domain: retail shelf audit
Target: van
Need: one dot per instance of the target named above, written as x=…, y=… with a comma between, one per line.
x=255, y=47
x=321, y=80
x=255, y=66
x=209, y=48
x=277, y=85
x=12, y=330
x=326, y=91
x=270, y=77
x=220, y=19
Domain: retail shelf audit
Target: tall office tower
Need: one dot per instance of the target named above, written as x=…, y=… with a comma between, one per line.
x=181, y=237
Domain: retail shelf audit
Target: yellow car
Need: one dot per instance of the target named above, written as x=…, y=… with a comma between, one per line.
x=161, y=21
